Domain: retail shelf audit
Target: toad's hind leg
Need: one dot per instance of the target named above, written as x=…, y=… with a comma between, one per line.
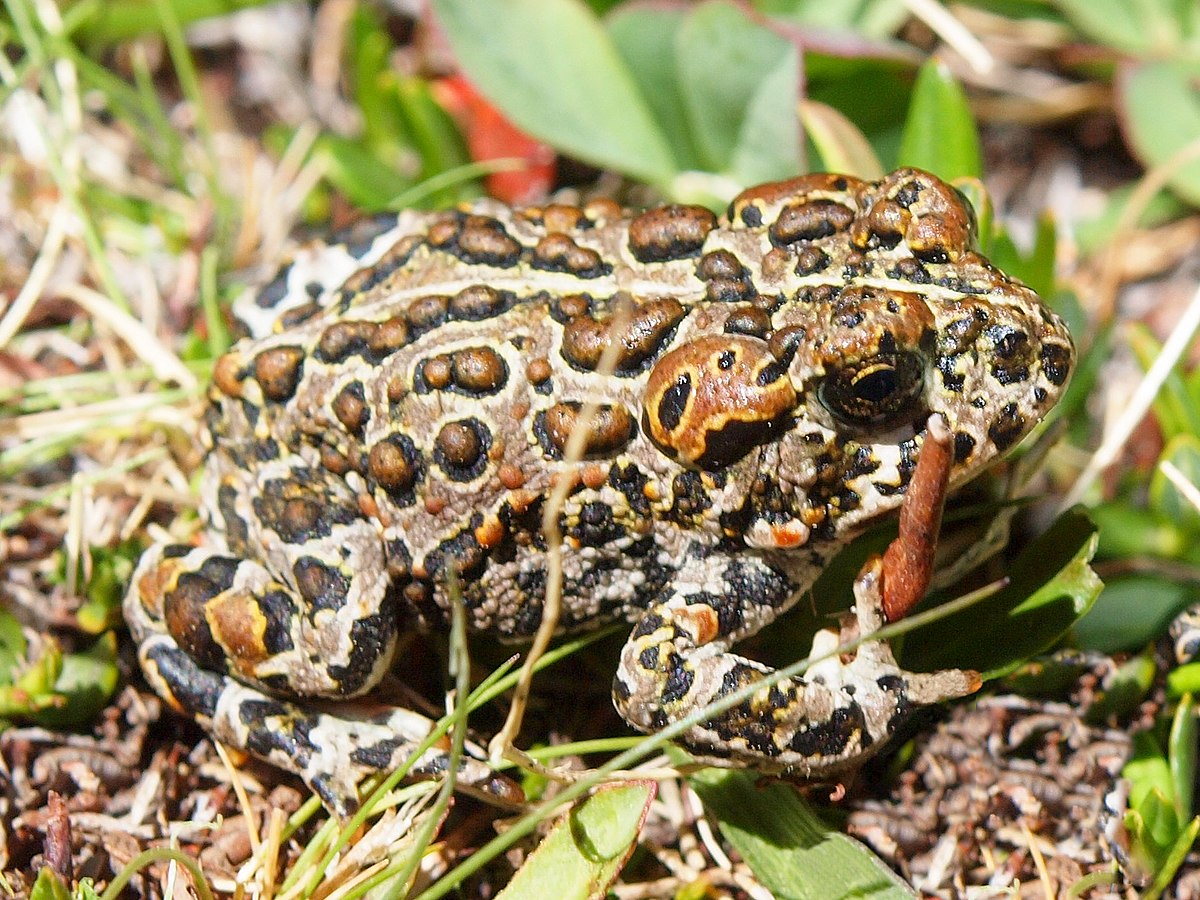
x=232, y=642
x=830, y=721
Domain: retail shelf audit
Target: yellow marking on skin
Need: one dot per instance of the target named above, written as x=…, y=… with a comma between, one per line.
x=238, y=624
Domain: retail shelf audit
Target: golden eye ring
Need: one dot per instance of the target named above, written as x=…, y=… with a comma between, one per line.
x=880, y=391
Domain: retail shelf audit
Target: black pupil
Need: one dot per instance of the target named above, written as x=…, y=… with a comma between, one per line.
x=877, y=385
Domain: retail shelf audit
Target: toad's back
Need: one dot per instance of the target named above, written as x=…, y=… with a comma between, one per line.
x=406, y=403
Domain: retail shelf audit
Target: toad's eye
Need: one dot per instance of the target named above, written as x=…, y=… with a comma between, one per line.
x=883, y=390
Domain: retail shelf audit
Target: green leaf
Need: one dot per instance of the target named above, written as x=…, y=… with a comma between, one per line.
x=1184, y=679
x=1052, y=586
x=872, y=92
x=1148, y=773
x=1159, y=104
x=645, y=37
x=939, y=132
x=1181, y=756
x=768, y=144
x=111, y=569
x=13, y=645
x=878, y=18
x=552, y=69
x=368, y=52
x=85, y=683
x=1161, y=823
x=1173, y=860
x=1131, y=612
x=585, y=849
x=1128, y=530
x=49, y=887
x=791, y=851
x=723, y=60
x=842, y=147
x=1152, y=27
x=1166, y=498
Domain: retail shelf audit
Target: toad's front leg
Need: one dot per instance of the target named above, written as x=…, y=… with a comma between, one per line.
x=841, y=712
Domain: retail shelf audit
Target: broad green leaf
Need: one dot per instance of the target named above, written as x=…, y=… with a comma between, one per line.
x=49, y=887
x=1184, y=679
x=769, y=145
x=1154, y=27
x=645, y=37
x=12, y=644
x=1131, y=612
x=551, y=68
x=1181, y=756
x=1173, y=860
x=842, y=147
x=791, y=851
x=1166, y=498
x=939, y=132
x=1128, y=530
x=1052, y=586
x=85, y=683
x=879, y=18
x=585, y=850
x=1147, y=772
x=1159, y=104
x=111, y=568
x=872, y=92
x=1158, y=814
x=723, y=58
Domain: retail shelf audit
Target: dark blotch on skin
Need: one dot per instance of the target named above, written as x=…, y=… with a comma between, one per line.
x=342, y=340
x=832, y=737
x=748, y=320
x=808, y=221
x=395, y=463
x=1056, y=363
x=461, y=449
x=964, y=446
x=351, y=408
x=196, y=689
x=322, y=586
x=278, y=372
x=1007, y=428
x=670, y=232
x=274, y=290
x=674, y=402
x=478, y=302
x=609, y=429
